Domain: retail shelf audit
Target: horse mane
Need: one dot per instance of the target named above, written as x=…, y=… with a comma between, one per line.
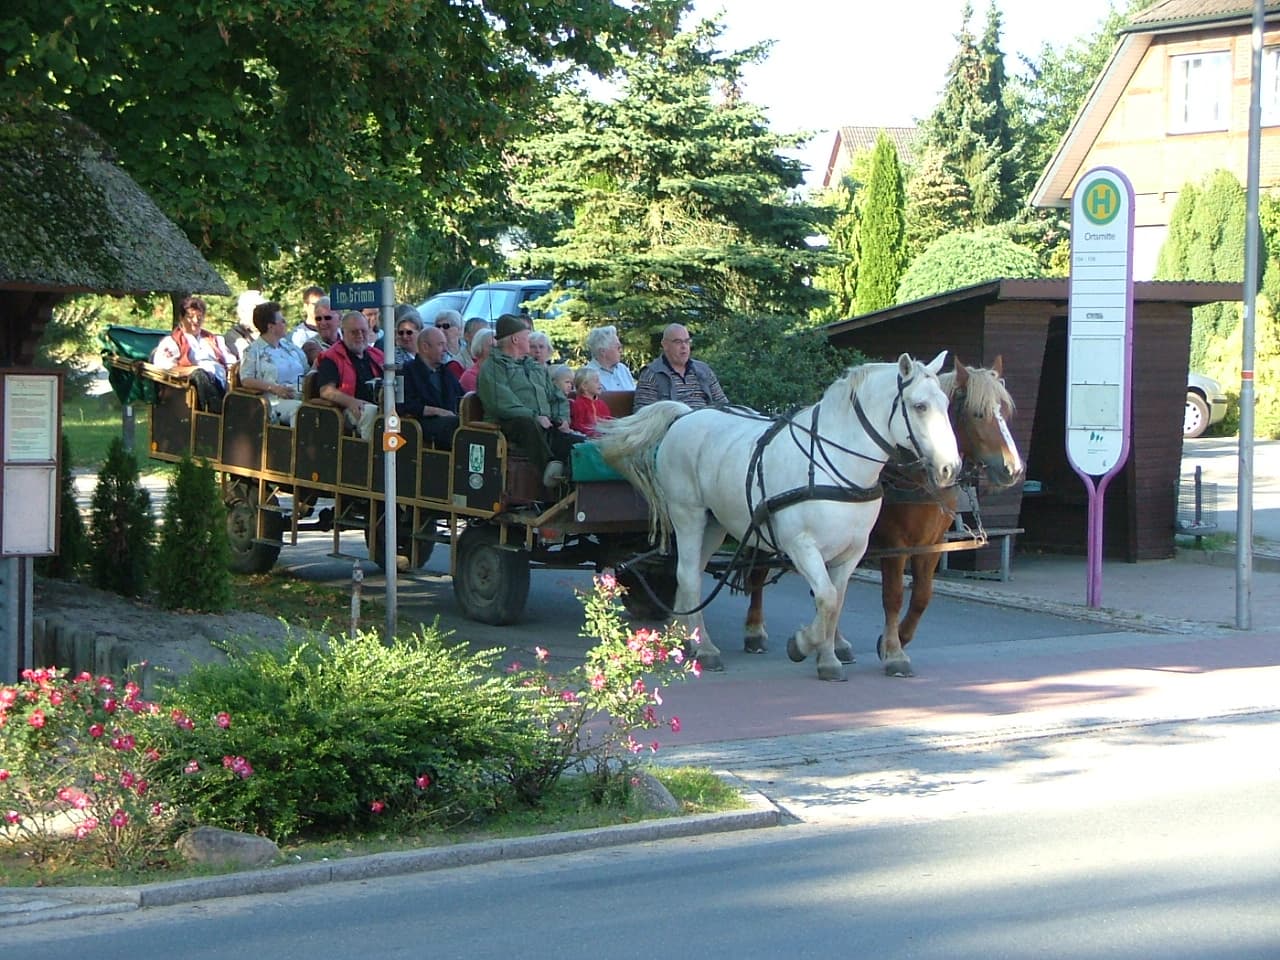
x=984, y=393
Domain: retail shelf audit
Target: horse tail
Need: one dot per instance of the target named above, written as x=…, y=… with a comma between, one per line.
x=630, y=446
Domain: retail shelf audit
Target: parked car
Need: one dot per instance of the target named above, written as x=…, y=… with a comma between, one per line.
x=492, y=300
x=1206, y=404
x=445, y=300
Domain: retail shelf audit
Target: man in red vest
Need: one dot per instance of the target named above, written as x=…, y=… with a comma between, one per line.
x=349, y=374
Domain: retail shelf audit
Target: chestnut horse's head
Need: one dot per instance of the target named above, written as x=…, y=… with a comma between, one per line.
x=980, y=407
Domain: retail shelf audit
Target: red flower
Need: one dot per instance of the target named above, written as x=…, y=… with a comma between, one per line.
x=377, y=806
x=191, y=767
x=96, y=730
x=423, y=781
x=55, y=698
x=36, y=719
x=8, y=697
x=86, y=828
x=12, y=816
x=109, y=704
x=675, y=724
x=119, y=818
x=223, y=720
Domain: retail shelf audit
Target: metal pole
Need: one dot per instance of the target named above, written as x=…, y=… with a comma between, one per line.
x=357, y=578
x=389, y=539
x=1244, y=472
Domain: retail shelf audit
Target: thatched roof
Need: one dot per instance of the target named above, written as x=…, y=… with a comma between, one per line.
x=75, y=222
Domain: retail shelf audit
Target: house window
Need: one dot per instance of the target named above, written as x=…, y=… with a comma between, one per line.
x=1199, y=91
x=1270, y=93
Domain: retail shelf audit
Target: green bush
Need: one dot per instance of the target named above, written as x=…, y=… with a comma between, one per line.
x=121, y=542
x=192, y=563
x=772, y=365
x=342, y=733
x=961, y=259
x=73, y=543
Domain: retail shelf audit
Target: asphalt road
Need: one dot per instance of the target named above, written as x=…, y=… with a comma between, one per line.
x=1125, y=853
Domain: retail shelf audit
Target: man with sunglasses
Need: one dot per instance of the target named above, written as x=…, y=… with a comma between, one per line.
x=449, y=322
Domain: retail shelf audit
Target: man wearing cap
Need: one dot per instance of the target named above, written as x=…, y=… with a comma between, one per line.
x=532, y=412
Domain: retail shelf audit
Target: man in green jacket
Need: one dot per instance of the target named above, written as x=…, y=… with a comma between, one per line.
x=532, y=412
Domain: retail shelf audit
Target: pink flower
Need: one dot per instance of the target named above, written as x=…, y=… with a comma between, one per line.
x=119, y=818
x=678, y=655
x=109, y=704
x=597, y=682
x=377, y=806
x=223, y=720
x=646, y=657
x=55, y=698
x=239, y=766
x=674, y=723
x=84, y=676
x=191, y=767
x=638, y=686
x=423, y=781
x=633, y=745
x=650, y=716
x=4, y=775
x=142, y=788
x=607, y=582
x=124, y=743
x=568, y=696
x=106, y=683
x=515, y=666
x=75, y=797
x=8, y=697
x=181, y=720
x=156, y=809
x=153, y=754
x=12, y=816
x=127, y=779
x=653, y=747
x=541, y=653
x=86, y=828
x=99, y=777
x=36, y=719
x=96, y=730
x=695, y=668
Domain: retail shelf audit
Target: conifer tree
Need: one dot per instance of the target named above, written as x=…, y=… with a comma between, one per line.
x=883, y=236
x=121, y=541
x=192, y=570
x=840, y=280
x=937, y=200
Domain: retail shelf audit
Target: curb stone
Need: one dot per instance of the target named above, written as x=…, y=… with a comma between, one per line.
x=28, y=905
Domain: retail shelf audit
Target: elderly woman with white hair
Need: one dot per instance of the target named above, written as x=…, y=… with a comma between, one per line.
x=540, y=347
x=606, y=359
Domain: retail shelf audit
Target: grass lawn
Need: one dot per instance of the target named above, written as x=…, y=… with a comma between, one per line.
x=92, y=423
x=568, y=807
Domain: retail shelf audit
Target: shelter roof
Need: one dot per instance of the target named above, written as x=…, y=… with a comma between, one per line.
x=76, y=222
x=1051, y=289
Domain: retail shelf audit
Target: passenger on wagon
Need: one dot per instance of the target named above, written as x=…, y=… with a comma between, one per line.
x=431, y=391
x=675, y=375
x=349, y=374
x=272, y=364
x=531, y=411
x=606, y=359
x=449, y=322
x=587, y=409
x=481, y=345
x=193, y=352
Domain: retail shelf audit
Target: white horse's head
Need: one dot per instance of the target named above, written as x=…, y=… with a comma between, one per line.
x=917, y=421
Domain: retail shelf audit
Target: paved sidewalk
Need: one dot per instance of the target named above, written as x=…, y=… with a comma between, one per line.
x=982, y=723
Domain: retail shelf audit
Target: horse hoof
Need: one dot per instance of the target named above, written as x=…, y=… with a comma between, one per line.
x=845, y=655
x=880, y=647
x=711, y=661
x=899, y=668
x=754, y=645
x=793, y=650
x=833, y=672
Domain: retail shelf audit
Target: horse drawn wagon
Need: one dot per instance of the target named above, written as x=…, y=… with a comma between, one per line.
x=479, y=497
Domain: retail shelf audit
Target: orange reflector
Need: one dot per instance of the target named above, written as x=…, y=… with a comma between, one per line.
x=392, y=442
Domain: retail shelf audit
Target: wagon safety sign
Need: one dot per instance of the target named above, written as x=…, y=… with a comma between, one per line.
x=1100, y=322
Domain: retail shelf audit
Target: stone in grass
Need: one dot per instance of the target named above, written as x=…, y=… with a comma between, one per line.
x=654, y=795
x=225, y=848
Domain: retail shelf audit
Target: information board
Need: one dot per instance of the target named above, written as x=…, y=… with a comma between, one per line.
x=1100, y=322
x=30, y=426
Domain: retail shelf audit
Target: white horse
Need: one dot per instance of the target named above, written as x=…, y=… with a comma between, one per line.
x=806, y=486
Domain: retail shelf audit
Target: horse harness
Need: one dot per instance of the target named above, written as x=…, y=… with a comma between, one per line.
x=845, y=491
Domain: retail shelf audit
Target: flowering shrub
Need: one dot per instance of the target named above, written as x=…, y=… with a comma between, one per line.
x=82, y=769
x=347, y=734
x=599, y=716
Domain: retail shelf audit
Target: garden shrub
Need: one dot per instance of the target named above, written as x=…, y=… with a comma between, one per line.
x=73, y=543
x=341, y=732
x=961, y=259
x=193, y=560
x=122, y=529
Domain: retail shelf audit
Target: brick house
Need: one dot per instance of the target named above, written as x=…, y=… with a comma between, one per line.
x=1172, y=105
x=850, y=141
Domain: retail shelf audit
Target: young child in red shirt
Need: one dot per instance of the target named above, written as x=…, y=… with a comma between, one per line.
x=587, y=409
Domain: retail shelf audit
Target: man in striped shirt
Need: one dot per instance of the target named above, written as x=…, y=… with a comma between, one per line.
x=675, y=375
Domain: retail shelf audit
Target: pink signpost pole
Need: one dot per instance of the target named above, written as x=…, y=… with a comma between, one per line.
x=1099, y=344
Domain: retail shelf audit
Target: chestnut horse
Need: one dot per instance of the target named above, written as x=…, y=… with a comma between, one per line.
x=913, y=516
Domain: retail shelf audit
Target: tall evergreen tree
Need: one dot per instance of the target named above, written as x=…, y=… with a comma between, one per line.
x=840, y=279
x=937, y=200
x=883, y=256
x=997, y=131
x=673, y=201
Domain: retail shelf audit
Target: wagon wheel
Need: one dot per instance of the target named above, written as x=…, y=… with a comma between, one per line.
x=249, y=554
x=661, y=579
x=492, y=581
x=406, y=546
